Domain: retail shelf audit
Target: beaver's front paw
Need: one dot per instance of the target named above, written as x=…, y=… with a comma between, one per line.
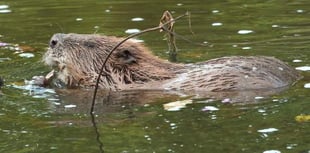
x=37, y=80
x=41, y=80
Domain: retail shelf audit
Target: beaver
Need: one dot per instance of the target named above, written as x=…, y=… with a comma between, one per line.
x=77, y=59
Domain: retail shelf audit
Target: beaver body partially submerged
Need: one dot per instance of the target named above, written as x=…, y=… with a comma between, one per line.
x=77, y=59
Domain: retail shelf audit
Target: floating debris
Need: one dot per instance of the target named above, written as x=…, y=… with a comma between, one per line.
x=307, y=85
x=177, y=105
x=302, y=118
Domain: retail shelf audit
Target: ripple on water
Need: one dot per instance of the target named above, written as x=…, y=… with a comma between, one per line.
x=36, y=91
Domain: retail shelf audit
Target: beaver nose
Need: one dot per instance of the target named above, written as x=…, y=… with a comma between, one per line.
x=53, y=43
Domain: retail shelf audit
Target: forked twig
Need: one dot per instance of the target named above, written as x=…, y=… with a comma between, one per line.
x=120, y=43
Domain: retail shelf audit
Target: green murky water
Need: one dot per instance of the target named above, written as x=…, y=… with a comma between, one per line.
x=49, y=120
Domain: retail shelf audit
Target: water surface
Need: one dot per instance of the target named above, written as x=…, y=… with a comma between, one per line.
x=57, y=120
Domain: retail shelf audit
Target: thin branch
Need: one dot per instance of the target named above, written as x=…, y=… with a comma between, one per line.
x=120, y=43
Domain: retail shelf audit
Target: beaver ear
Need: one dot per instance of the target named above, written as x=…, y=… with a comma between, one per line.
x=126, y=57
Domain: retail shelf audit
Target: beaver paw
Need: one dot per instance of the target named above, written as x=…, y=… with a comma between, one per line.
x=37, y=80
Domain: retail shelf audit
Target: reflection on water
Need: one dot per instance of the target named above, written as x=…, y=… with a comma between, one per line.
x=35, y=119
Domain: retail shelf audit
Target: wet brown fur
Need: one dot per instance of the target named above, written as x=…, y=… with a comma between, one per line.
x=78, y=58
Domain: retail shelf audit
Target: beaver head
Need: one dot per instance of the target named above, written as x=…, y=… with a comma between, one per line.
x=77, y=59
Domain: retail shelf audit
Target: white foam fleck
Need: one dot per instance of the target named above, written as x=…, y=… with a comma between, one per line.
x=132, y=31
x=299, y=11
x=137, y=19
x=275, y=26
x=26, y=55
x=303, y=68
x=245, y=31
x=4, y=6
x=70, y=106
x=272, y=151
x=297, y=61
x=56, y=103
x=307, y=85
x=5, y=11
x=246, y=48
x=226, y=100
x=261, y=111
x=258, y=97
x=137, y=40
x=268, y=130
x=215, y=11
x=79, y=19
x=210, y=108
x=217, y=24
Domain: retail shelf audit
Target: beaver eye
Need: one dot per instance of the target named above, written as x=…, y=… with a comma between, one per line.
x=53, y=43
x=126, y=57
x=89, y=44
